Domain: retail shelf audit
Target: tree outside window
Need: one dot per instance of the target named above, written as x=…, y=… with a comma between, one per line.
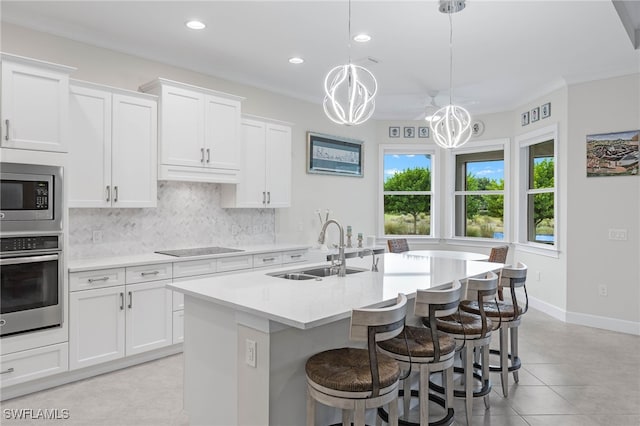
x=407, y=194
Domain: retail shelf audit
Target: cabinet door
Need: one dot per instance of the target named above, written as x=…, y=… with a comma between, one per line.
x=134, y=152
x=222, y=133
x=35, y=105
x=149, y=317
x=182, y=127
x=278, y=165
x=89, y=170
x=96, y=326
x=251, y=188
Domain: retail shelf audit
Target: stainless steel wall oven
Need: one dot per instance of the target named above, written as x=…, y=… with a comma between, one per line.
x=31, y=247
x=31, y=278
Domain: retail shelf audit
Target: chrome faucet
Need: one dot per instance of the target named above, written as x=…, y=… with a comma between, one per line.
x=342, y=271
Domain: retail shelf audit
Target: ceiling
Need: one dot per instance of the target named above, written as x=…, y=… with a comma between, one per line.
x=505, y=52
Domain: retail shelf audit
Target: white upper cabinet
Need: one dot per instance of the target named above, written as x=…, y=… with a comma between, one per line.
x=266, y=165
x=112, y=147
x=35, y=97
x=199, y=133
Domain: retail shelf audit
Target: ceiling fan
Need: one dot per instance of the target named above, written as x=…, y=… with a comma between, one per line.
x=430, y=107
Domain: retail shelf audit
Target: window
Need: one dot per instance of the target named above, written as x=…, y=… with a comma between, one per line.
x=479, y=195
x=538, y=210
x=540, y=193
x=407, y=191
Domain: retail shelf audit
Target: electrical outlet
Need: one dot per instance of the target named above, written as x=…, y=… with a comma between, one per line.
x=250, y=354
x=537, y=275
x=618, y=234
x=96, y=237
x=603, y=291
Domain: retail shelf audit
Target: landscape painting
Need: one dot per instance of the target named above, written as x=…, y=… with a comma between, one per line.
x=613, y=154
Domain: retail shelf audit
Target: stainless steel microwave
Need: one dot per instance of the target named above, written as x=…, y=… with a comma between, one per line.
x=30, y=198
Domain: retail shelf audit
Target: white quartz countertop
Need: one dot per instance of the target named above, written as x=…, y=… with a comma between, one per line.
x=309, y=303
x=78, y=265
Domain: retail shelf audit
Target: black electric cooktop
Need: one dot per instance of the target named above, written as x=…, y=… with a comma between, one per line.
x=200, y=251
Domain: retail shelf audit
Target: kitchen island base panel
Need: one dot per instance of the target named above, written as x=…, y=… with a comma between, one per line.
x=222, y=389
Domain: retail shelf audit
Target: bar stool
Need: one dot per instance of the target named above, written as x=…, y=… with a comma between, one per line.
x=509, y=315
x=498, y=254
x=357, y=379
x=398, y=245
x=429, y=349
x=472, y=333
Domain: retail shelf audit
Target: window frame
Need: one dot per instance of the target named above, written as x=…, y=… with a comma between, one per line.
x=384, y=149
x=478, y=147
x=524, y=142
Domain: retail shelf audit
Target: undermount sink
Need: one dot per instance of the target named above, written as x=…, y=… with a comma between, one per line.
x=312, y=273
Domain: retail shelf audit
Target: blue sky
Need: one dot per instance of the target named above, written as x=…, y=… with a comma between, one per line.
x=394, y=163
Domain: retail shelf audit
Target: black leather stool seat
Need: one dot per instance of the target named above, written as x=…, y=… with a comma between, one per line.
x=493, y=310
x=347, y=369
x=420, y=343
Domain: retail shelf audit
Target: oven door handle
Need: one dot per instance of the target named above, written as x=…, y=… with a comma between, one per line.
x=29, y=259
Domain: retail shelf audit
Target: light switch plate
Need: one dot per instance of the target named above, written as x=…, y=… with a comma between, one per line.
x=618, y=234
x=250, y=352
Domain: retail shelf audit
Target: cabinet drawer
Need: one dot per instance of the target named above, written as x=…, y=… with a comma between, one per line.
x=294, y=256
x=235, y=263
x=194, y=267
x=97, y=278
x=139, y=274
x=33, y=364
x=178, y=301
x=178, y=327
x=267, y=259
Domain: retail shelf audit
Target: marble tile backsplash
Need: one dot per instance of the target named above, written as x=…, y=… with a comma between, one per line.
x=188, y=215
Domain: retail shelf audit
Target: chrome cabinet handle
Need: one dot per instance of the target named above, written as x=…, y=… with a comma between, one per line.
x=93, y=280
x=121, y=301
x=268, y=197
x=6, y=137
x=264, y=197
x=8, y=370
x=108, y=191
x=130, y=300
x=202, y=155
x=144, y=274
x=268, y=259
x=208, y=155
x=295, y=256
x=115, y=194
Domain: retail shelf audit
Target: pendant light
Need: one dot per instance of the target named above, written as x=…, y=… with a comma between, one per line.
x=453, y=128
x=349, y=91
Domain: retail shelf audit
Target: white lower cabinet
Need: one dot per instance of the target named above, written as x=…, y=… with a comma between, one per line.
x=23, y=366
x=113, y=322
x=178, y=326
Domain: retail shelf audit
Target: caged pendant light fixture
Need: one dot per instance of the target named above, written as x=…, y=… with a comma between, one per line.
x=349, y=91
x=452, y=129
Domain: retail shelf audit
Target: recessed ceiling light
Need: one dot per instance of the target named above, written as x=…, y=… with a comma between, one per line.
x=296, y=60
x=195, y=25
x=362, y=38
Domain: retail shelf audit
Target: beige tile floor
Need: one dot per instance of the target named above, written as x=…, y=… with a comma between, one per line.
x=571, y=376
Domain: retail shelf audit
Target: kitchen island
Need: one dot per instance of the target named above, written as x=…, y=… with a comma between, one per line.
x=248, y=335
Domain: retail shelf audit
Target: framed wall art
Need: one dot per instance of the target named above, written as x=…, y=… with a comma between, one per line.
x=409, y=132
x=613, y=154
x=524, y=118
x=423, y=132
x=535, y=114
x=394, y=132
x=334, y=155
x=545, y=110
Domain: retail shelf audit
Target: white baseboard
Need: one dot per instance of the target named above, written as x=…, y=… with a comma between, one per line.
x=613, y=324
x=548, y=308
x=606, y=323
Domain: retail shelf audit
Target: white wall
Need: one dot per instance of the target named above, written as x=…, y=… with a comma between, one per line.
x=597, y=204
